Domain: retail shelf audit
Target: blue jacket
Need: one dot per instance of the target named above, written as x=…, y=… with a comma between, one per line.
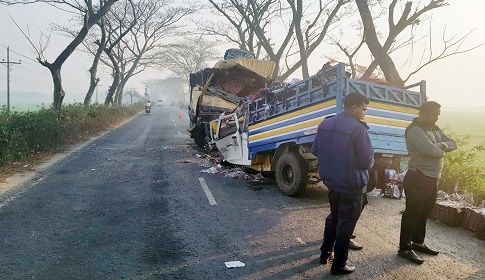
x=344, y=153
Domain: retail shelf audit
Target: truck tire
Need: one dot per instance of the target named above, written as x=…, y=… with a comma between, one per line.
x=291, y=173
x=199, y=136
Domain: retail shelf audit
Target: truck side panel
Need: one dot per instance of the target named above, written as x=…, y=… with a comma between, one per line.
x=387, y=124
x=269, y=134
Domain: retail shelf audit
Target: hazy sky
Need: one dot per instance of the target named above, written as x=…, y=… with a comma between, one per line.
x=454, y=82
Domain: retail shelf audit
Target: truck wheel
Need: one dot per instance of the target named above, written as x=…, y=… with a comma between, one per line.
x=199, y=136
x=291, y=174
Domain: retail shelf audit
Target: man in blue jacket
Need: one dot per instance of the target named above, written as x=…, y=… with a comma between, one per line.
x=345, y=155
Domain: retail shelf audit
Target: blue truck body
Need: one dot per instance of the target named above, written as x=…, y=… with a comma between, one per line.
x=274, y=129
x=293, y=113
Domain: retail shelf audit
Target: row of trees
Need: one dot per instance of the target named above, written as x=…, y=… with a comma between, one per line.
x=130, y=35
x=305, y=25
x=126, y=35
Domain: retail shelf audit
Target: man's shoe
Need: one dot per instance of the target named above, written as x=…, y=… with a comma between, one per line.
x=354, y=245
x=324, y=258
x=343, y=270
x=410, y=255
x=424, y=249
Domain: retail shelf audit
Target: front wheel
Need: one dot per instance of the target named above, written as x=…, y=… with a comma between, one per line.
x=199, y=136
x=291, y=174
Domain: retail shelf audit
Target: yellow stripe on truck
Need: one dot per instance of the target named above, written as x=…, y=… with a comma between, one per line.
x=286, y=129
x=294, y=114
x=388, y=122
x=394, y=108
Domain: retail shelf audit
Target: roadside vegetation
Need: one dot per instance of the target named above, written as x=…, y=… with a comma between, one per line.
x=464, y=171
x=27, y=137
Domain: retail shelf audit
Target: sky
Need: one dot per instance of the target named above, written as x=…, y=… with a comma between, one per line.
x=455, y=82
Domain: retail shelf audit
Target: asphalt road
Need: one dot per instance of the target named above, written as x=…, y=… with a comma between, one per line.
x=133, y=204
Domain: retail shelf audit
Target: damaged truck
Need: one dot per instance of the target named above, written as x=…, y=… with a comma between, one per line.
x=273, y=129
x=219, y=89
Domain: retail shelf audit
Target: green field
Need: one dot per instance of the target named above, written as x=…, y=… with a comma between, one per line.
x=465, y=122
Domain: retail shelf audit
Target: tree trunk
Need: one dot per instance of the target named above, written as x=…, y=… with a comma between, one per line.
x=94, y=67
x=57, y=81
x=116, y=78
x=382, y=57
x=297, y=16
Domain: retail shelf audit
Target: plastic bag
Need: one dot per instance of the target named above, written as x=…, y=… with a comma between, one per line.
x=396, y=193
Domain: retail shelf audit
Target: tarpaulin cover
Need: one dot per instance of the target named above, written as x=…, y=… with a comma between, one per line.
x=263, y=68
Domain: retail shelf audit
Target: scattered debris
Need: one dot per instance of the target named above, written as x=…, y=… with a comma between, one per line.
x=212, y=170
x=375, y=192
x=214, y=165
x=299, y=240
x=233, y=264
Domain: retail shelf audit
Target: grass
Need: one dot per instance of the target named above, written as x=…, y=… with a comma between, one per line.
x=465, y=122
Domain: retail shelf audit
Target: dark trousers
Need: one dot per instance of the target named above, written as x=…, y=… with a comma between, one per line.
x=421, y=192
x=345, y=209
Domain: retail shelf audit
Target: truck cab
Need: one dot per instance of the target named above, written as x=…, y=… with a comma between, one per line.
x=219, y=89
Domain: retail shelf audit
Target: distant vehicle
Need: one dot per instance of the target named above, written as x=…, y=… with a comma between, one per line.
x=159, y=102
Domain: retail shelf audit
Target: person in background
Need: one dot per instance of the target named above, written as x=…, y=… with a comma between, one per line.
x=427, y=145
x=345, y=155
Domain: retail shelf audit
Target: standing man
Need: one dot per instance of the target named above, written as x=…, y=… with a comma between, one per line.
x=427, y=146
x=345, y=154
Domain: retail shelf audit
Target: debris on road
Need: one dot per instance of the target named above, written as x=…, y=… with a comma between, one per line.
x=234, y=264
x=299, y=240
x=213, y=166
x=212, y=170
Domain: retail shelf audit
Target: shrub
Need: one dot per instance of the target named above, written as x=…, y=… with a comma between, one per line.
x=463, y=171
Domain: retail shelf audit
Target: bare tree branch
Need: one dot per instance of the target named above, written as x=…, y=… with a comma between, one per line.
x=448, y=45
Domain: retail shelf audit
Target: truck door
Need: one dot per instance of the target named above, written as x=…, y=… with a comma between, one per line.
x=226, y=135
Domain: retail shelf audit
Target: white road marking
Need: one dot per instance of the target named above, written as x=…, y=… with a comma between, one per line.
x=178, y=132
x=174, y=125
x=208, y=193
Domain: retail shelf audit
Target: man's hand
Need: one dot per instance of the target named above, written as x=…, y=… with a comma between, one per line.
x=441, y=146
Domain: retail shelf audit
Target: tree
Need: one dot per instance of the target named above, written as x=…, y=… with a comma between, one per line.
x=188, y=55
x=380, y=54
x=349, y=51
x=115, y=28
x=91, y=15
x=410, y=18
x=310, y=28
x=141, y=48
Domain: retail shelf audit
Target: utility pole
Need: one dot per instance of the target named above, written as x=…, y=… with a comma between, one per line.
x=8, y=62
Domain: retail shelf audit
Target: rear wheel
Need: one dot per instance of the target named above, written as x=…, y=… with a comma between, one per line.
x=291, y=173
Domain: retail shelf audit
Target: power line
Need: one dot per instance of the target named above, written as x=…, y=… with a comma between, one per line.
x=34, y=71
x=24, y=56
x=31, y=83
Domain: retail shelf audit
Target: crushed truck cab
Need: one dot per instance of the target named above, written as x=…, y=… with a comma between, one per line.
x=274, y=129
x=219, y=89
